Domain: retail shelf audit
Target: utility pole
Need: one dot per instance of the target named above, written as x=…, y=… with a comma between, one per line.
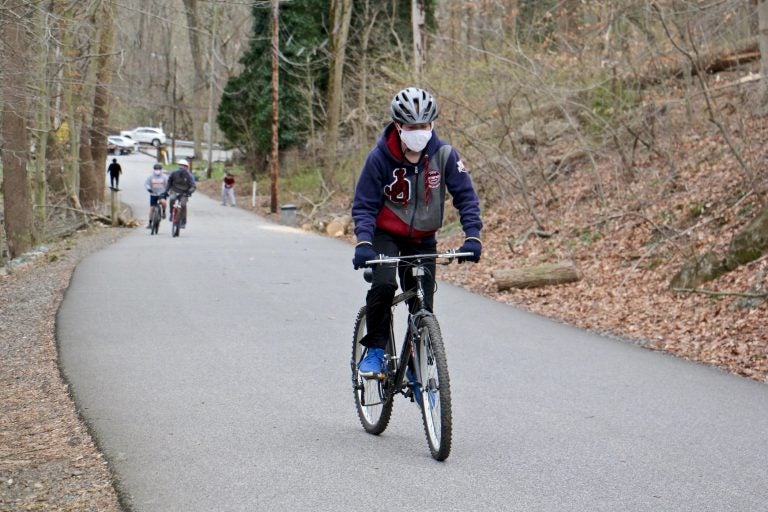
x=173, y=128
x=275, y=163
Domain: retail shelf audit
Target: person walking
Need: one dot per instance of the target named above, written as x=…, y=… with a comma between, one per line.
x=398, y=209
x=228, y=189
x=114, y=171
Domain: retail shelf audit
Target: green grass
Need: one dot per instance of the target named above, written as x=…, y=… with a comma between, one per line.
x=305, y=180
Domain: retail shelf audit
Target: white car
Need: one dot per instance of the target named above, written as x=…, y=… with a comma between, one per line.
x=146, y=135
x=121, y=145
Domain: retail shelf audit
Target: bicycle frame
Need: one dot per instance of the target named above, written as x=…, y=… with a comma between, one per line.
x=396, y=383
x=176, y=200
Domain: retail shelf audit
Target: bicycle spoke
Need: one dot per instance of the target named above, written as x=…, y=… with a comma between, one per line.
x=374, y=406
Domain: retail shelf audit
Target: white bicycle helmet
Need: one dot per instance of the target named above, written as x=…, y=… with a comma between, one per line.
x=414, y=106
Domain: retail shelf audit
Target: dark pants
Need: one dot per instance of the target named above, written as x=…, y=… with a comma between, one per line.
x=384, y=285
x=114, y=180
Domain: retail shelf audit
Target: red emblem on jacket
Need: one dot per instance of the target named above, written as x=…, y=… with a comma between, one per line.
x=399, y=191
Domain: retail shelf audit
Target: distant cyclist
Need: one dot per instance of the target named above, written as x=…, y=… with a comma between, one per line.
x=155, y=184
x=181, y=185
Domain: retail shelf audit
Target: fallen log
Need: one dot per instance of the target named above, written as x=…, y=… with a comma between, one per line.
x=711, y=63
x=536, y=276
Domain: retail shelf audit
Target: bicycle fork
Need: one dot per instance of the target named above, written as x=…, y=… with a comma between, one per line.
x=421, y=382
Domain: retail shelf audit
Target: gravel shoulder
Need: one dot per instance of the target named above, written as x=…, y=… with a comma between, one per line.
x=48, y=458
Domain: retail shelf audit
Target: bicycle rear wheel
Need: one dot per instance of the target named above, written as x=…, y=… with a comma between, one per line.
x=374, y=404
x=155, y=221
x=175, y=222
x=435, y=388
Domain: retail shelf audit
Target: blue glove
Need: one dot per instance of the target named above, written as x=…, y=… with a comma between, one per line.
x=473, y=245
x=363, y=252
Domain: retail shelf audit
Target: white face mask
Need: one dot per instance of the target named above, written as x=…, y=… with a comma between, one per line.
x=156, y=172
x=415, y=140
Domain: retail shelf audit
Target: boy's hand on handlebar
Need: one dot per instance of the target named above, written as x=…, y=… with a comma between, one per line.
x=473, y=245
x=363, y=252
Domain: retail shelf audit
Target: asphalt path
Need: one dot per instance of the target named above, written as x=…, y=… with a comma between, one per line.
x=213, y=369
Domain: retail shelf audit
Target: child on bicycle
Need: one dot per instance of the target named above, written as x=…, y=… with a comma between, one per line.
x=155, y=184
x=398, y=208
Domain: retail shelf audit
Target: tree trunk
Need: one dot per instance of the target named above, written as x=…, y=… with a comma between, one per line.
x=89, y=182
x=89, y=178
x=198, y=96
x=762, y=17
x=71, y=78
x=101, y=96
x=536, y=276
x=341, y=14
x=419, y=39
x=18, y=216
x=42, y=115
x=360, y=128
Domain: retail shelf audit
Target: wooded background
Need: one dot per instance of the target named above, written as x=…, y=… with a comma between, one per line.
x=529, y=90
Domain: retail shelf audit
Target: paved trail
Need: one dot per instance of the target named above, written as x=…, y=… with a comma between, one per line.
x=214, y=370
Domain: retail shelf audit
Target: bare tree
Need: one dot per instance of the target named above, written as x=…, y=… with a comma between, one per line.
x=72, y=81
x=341, y=14
x=15, y=41
x=90, y=182
x=42, y=117
x=419, y=39
x=198, y=98
x=99, y=128
x=762, y=15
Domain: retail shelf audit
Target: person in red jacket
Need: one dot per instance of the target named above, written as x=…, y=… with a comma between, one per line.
x=398, y=208
x=228, y=189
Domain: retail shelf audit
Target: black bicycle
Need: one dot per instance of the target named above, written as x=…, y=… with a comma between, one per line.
x=418, y=372
x=157, y=216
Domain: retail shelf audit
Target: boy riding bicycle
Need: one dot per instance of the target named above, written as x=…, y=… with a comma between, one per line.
x=398, y=208
x=155, y=184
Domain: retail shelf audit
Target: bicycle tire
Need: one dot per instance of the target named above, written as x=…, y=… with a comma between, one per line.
x=155, y=221
x=435, y=389
x=175, y=223
x=373, y=404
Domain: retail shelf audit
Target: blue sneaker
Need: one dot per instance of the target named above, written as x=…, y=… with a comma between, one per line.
x=372, y=364
x=414, y=387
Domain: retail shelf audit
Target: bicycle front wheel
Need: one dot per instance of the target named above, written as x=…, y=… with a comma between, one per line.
x=374, y=404
x=155, y=221
x=435, y=388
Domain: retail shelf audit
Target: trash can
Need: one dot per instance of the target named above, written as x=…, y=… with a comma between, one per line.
x=288, y=214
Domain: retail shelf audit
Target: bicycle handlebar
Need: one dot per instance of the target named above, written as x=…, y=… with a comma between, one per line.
x=383, y=258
